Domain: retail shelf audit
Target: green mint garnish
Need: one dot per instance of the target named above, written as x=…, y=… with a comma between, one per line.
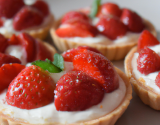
x=51, y=66
x=58, y=61
x=94, y=8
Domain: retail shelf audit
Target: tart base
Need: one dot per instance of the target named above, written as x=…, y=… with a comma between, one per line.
x=109, y=119
x=146, y=94
x=111, y=51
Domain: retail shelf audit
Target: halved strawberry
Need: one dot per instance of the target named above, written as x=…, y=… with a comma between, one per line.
x=76, y=91
x=132, y=20
x=111, y=27
x=146, y=39
x=42, y=6
x=74, y=14
x=76, y=28
x=3, y=43
x=109, y=9
x=27, y=17
x=8, y=72
x=42, y=52
x=157, y=80
x=148, y=61
x=28, y=42
x=4, y=58
x=98, y=67
x=69, y=54
x=32, y=88
x=8, y=8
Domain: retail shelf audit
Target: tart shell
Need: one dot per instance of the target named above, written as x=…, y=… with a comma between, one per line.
x=39, y=32
x=111, y=51
x=146, y=94
x=108, y=119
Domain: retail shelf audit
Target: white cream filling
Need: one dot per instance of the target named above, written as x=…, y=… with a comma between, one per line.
x=150, y=78
x=49, y=114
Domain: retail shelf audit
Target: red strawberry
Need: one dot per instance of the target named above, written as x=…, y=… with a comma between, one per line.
x=76, y=91
x=1, y=22
x=42, y=7
x=146, y=39
x=98, y=67
x=13, y=40
x=8, y=8
x=69, y=55
x=76, y=27
x=3, y=43
x=27, y=17
x=111, y=27
x=4, y=58
x=32, y=88
x=42, y=52
x=157, y=80
x=28, y=43
x=74, y=14
x=148, y=61
x=8, y=72
x=109, y=9
x=132, y=20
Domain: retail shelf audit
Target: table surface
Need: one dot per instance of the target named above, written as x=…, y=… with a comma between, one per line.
x=137, y=113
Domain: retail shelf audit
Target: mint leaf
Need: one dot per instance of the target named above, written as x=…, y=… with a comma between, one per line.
x=94, y=8
x=58, y=61
x=47, y=65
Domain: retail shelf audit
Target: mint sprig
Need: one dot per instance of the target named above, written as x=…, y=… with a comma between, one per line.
x=94, y=8
x=53, y=67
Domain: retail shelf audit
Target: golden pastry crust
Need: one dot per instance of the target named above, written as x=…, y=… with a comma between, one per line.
x=111, y=51
x=40, y=33
x=146, y=94
x=108, y=119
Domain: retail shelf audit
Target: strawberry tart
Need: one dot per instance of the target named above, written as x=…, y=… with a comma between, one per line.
x=106, y=27
x=142, y=66
x=81, y=86
x=18, y=16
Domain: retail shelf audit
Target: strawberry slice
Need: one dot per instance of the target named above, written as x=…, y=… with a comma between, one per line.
x=42, y=52
x=148, y=61
x=157, y=80
x=28, y=43
x=132, y=20
x=42, y=6
x=32, y=88
x=74, y=14
x=69, y=55
x=8, y=72
x=146, y=39
x=76, y=28
x=98, y=67
x=4, y=58
x=8, y=8
x=109, y=9
x=76, y=91
x=27, y=17
x=3, y=43
x=111, y=27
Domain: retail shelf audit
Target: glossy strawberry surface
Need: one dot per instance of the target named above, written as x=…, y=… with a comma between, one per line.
x=99, y=68
x=148, y=61
x=32, y=88
x=77, y=28
x=7, y=73
x=146, y=39
x=77, y=91
x=4, y=59
x=132, y=20
x=109, y=9
x=8, y=8
x=70, y=54
x=27, y=17
x=3, y=43
x=111, y=27
x=74, y=14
